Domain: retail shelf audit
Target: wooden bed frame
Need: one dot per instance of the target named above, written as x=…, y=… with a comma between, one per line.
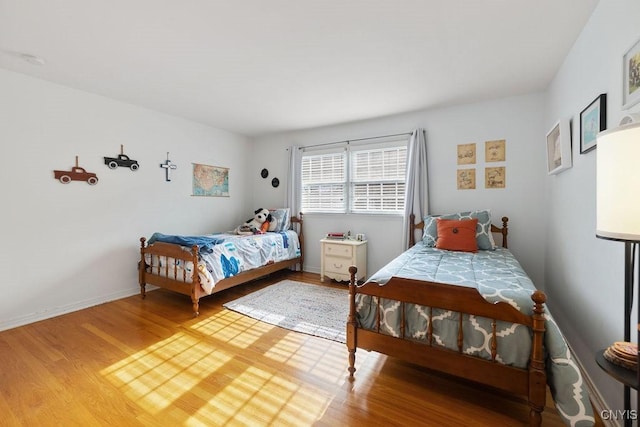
x=192, y=288
x=530, y=382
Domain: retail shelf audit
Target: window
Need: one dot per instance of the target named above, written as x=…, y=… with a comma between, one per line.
x=358, y=178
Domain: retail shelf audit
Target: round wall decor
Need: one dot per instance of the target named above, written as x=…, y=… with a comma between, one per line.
x=275, y=182
x=264, y=173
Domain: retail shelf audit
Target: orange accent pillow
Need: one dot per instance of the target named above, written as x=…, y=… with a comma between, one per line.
x=457, y=235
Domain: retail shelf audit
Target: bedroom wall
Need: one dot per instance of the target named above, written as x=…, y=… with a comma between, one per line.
x=67, y=247
x=584, y=275
x=516, y=119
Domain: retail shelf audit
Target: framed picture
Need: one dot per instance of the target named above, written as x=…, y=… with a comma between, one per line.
x=631, y=76
x=494, y=177
x=467, y=154
x=467, y=179
x=593, y=119
x=494, y=151
x=559, y=147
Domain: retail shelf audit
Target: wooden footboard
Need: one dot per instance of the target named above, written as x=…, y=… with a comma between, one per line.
x=529, y=382
x=168, y=278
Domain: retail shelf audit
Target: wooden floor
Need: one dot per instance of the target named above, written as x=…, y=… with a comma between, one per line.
x=135, y=362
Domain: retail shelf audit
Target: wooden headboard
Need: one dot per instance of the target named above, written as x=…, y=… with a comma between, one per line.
x=504, y=230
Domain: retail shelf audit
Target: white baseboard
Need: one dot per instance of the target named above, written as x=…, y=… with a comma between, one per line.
x=57, y=311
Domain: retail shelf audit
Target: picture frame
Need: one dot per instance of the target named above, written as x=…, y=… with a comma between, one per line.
x=631, y=76
x=593, y=120
x=559, y=147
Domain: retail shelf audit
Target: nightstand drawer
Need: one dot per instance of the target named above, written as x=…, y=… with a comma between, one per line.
x=337, y=264
x=337, y=250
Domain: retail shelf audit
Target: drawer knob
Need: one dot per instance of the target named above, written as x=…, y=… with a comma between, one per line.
x=337, y=266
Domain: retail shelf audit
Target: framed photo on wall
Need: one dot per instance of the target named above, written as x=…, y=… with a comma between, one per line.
x=631, y=76
x=559, y=147
x=593, y=119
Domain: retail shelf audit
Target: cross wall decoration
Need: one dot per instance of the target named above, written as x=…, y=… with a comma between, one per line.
x=167, y=166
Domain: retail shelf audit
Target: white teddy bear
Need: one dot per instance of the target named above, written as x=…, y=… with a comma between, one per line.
x=261, y=222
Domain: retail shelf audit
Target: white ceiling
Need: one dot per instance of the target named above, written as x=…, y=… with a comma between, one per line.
x=262, y=66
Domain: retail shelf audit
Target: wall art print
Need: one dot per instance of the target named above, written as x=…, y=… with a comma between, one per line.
x=495, y=177
x=631, y=76
x=467, y=179
x=495, y=151
x=211, y=181
x=593, y=120
x=467, y=154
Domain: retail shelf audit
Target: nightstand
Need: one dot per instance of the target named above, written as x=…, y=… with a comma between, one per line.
x=338, y=255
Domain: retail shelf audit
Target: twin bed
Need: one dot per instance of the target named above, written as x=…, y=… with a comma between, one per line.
x=475, y=315
x=202, y=265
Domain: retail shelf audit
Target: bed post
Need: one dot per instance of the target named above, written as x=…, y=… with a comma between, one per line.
x=195, y=282
x=301, y=240
x=504, y=231
x=142, y=269
x=537, y=375
x=351, y=323
x=412, y=230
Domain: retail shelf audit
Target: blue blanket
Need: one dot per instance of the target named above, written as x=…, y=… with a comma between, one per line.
x=205, y=243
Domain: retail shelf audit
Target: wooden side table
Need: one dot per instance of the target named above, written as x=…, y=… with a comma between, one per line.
x=338, y=255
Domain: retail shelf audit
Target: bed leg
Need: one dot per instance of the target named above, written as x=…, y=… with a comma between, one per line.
x=351, y=323
x=142, y=265
x=537, y=375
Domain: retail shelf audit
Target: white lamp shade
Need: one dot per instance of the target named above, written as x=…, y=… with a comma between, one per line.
x=618, y=183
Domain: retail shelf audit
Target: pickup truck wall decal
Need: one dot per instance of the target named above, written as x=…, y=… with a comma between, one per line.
x=121, y=160
x=75, y=174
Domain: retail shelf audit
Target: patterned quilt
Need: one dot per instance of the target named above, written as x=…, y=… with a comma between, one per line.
x=227, y=254
x=498, y=276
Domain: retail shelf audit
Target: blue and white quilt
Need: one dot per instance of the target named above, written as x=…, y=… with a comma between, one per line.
x=224, y=255
x=498, y=276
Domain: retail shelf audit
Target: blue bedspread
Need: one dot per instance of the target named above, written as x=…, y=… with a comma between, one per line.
x=498, y=276
x=205, y=243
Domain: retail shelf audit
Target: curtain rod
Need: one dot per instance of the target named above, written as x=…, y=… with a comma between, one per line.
x=354, y=140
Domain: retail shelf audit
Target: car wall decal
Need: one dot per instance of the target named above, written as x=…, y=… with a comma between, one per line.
x=121, y=160
x=75, y=174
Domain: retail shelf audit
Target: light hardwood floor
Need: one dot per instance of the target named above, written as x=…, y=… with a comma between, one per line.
x=135, y=362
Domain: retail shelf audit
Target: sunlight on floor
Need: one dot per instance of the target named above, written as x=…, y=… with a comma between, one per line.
x=189, y=379
x=229, y=326
x=155, y=377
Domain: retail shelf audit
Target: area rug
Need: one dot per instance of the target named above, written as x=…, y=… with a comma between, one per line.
x=301, y=307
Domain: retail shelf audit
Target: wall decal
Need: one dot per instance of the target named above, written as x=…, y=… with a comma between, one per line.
x=264, y=173
x=167, y=165
x=75, y=174
x=121, y=160
x=275, y=182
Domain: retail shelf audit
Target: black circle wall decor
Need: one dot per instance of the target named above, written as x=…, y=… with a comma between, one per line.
x=264, y=173
x=275, y=182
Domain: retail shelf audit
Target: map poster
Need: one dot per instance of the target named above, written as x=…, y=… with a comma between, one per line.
x=212, y=181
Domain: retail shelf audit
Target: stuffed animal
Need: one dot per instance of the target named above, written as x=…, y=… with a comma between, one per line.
x=261, y=222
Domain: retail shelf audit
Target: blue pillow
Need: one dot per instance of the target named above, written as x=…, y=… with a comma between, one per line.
x=283, y=217
x=484, y=237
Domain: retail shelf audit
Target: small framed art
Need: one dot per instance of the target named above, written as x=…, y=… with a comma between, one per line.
x=559, y=147
x=631, y=76
x=593, y=119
